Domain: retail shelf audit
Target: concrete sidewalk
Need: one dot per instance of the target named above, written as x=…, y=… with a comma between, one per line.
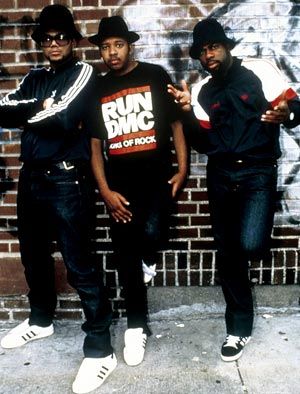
x=182, y=357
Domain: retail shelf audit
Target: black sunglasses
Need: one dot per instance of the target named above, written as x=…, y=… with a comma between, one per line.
x=61, y=40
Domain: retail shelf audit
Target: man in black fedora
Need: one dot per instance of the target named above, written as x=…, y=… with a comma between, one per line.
x=55, y=192
x=137, y=183
x=233, y=116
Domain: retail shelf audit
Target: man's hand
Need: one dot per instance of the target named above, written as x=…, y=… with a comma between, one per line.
x=116, y=204
x=177, y=181
x=181, y=97
x=48, y=103
x=278, y=114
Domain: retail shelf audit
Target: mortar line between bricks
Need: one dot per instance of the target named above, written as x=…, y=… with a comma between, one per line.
x=244, y=387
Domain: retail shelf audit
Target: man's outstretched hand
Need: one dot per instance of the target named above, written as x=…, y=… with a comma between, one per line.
x=181, y=97
x=279, y=114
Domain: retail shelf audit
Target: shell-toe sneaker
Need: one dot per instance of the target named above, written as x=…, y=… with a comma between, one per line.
x=135, y=344
x=233, y=347
x=24, y=333
x=92, y=373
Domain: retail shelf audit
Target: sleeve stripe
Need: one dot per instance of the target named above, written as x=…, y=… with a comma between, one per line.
x=6, y=101
x=66, y=99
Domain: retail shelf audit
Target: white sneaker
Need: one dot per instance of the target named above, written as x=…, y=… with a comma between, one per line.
x=149, y=272
x=135, y=344
x=24, y=333
x=93, y=372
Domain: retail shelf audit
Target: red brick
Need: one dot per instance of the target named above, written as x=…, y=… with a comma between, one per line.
x=12, y=280
x=17, y=16
x=12, y=161
x=285, y=243
x=202, y=245
x=7, y=4
x=186, y=208
x=17, y=303
x=3, y=247
x=18, y=70
x=38, y=5
x=90, y=3
x=10, y=199
x=91, y=29
x=20, y=315
x=200, y=220
x=4, y=315
x=117, y=2
x=15, y=248
x=286, y=231
x=7, y=85
x=204, y=208
x=7, y=57
x=96, y=14
x=6, y=210
x=69, y=315
x=70, y=304
x=11, y=148
x=199, y=196
x=6, y=236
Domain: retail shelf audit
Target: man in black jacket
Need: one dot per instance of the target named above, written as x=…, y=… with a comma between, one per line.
x=55, y=194
x=233, y=115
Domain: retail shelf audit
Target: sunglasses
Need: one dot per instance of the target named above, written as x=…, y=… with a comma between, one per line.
x=61, y=40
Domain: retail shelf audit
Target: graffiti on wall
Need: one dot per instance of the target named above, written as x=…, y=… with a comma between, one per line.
x=262, y=29
x=268, y=29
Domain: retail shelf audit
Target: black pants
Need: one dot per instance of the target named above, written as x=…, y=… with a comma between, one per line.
x=149, y=195
x=56, y=204
x=242, y=202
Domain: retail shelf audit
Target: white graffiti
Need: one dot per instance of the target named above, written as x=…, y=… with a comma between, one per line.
x=265, y=29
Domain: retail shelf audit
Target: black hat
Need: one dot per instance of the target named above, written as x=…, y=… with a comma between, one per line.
x=208, y=31
x=113, y=26
x=56, y=17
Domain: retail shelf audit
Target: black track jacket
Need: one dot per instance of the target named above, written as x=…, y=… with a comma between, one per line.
x=61, y=132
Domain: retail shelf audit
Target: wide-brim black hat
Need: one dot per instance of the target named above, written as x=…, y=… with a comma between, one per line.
x=208, y=31
x=113, y=26
x=56, y=17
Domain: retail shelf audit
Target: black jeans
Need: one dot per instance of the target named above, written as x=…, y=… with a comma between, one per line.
x=242, y=206
x=149, y=195
x=56, y=204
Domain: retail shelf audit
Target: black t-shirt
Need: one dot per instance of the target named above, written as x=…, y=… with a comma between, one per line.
x=136, y=111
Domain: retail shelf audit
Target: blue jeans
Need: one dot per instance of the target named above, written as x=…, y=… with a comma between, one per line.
x=242, y=206
x=149, y=195
x=56, y=204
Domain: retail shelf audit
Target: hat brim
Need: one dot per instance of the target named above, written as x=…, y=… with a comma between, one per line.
x=195, y=50
x=97, y=39
x=39, y=32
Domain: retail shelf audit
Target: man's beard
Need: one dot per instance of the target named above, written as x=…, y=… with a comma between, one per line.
x=220, y=71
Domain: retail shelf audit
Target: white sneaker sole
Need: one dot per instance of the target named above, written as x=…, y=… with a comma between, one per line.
x=17, y=337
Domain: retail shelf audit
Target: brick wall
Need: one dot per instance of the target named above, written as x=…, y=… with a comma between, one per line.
x=268, y=29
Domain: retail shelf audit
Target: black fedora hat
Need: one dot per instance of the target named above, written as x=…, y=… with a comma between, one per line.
x=113, y=26
x=56, y=17
x=208, y=31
